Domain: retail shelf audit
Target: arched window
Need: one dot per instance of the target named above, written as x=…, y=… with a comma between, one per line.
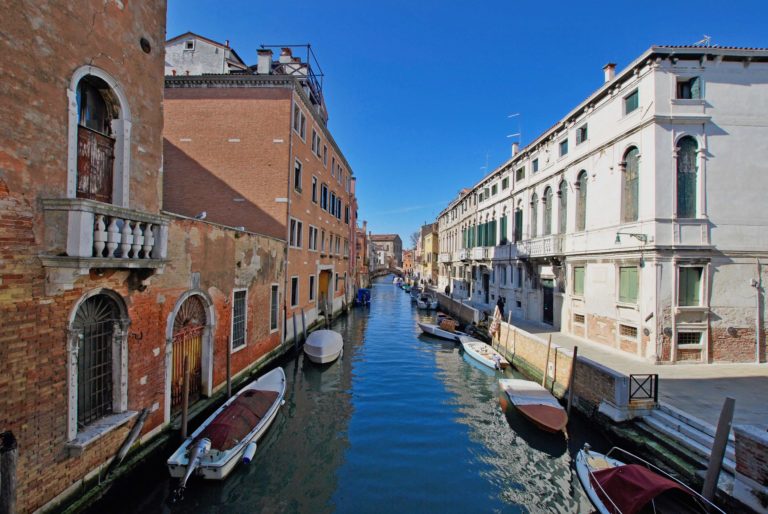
x=519, y=222
x=687, y=175
x=97, y=361
x=563, y=211
x=547, y=211
x=581, y=204
x=631, y=185
x=99, y=138
x=534, y=214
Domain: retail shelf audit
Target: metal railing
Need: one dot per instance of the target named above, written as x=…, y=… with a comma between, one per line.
x=644, y=387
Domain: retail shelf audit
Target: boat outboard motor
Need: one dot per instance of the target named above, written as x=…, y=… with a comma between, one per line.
x=199, y=449
x=249, y=452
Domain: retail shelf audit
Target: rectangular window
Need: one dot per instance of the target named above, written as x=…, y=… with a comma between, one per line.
x=628, y=284
x=299, y=122
x=333, y=204
x=189, y=44
x=273, y=308
x=333, y=166
x=311, y=288
x=631, y=102
x=688, y=338
x=581, y=134
x=325, y=155
x=563, y=147
x=520, y=173
x=338, y=208
x=294, y=291
x=324, y=197
x=296, y=228
x=315, y=142
x=494, y=189
x=322, y=241
x=314, y=189
x=346, y=214
x=312, y=238
x=340, y=176
x=238, y=318
x=578, y=281
x=535, y=165
x=689, y=89
x=519, y=277
x=628, y=331
x=297, y=176
x=689, y=286
x=504, y=183
x=578, y=318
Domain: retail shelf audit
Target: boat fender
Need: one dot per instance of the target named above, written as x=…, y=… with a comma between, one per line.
x=249, y=452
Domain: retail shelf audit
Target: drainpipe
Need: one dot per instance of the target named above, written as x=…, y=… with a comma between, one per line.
x=288, y=217
x=756, y=283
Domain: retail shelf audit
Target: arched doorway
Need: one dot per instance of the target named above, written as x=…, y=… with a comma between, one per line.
x=189, y=332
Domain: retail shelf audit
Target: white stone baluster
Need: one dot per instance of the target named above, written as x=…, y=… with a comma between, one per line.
x=138, y=239
x=99, y=236
x=127, y=239
x=149, y=240
x=113, y=237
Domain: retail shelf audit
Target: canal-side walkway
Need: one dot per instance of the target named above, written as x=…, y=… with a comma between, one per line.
x=697, y=389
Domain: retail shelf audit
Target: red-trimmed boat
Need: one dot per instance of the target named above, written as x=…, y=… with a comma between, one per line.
x=614, y=487
x=231, y=433
x=535, y=403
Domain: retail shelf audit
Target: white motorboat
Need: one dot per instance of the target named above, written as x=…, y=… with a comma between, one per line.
x=535, y=403
x=324, y=346
x=231, y=433
x=483, y=353
x=427, y=302
x=613, y=486
x=435, y=330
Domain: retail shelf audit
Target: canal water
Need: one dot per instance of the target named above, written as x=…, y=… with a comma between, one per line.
x=402, y=423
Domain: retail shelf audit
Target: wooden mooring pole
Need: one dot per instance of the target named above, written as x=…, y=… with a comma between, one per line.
x=572, y=379
x=718, y=449
x=9, y=456
x=229, y=370
x=295, y=333
x=303, y=326
x=546, y=364
x=509, y=327
x=185, y=399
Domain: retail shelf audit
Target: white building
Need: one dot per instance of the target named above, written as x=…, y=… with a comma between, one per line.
x=190, y=54
x=639, y=220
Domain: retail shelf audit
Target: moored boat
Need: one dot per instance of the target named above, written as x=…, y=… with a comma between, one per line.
x=426, y=301
x=231, y=432
x=483, y=353
x=437, y=331
x=616, y=487
x=324, y=346
x=535, y=403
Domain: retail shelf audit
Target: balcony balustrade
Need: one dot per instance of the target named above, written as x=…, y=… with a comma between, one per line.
x=82, y=234
x=541, y=247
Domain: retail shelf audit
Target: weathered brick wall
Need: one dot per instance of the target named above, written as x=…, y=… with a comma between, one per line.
x=751, y=484
x=739, y=347
x=601, y=329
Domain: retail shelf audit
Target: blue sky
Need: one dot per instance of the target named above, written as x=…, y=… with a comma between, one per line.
x=419, y=91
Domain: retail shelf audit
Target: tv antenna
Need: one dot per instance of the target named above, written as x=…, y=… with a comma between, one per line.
x=705, y=41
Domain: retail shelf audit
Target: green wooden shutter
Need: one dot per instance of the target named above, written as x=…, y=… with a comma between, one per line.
x=695, y=88
x=518, y=224
x=578, y=280
x=628, y=284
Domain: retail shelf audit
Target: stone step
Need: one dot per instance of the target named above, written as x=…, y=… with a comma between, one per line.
x=692, y=432
x=652, y=424
x=693, y=421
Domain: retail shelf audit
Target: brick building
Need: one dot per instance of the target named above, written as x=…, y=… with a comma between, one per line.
x=408, y=262
x=389, y=249
x=102, y=293
x=253, y=149
x=362, y=256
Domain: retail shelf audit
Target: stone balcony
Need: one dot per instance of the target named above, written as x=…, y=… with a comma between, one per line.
x=541, y=247
x=81, y=235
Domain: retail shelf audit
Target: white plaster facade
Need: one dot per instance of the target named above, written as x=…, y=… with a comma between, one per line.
x=191, y=54
x=723, y=233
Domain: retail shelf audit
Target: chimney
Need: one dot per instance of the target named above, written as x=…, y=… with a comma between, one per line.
x=286, y=55
x=264, y=63
x=610, y=71
x=515, y=148
x=226, y=43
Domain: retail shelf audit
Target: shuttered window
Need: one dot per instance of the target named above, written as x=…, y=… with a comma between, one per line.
x=547, y=212
x=578, y=280
x=631, y=185
x=689, y=286
x=563, y=213
x=631, y=102
x=628, y=284
x=518, y=224
x=581, y=205
x=503, y=230
x=686, y=177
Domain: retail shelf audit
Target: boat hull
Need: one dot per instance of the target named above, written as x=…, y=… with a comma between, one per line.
x=217, y=465
x=535, y=404
x=483, y=353
x=434, y=330
x=324, y=346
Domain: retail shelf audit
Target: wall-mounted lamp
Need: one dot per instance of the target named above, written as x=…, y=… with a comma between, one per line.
x=640, y=237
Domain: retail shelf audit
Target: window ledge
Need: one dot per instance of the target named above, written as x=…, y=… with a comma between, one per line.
x=691, y=308
x=97, y=430
x=625, y=305
x=238, y=348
